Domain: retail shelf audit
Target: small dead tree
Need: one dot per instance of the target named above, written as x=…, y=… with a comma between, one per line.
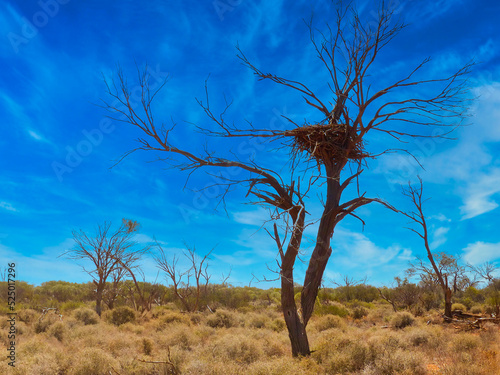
x=181, y=280
x=106, y=251
x=444, y=269
x=326, y=153
x=487, y=272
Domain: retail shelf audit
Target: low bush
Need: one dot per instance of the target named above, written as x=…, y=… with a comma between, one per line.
x=465, y=342
x=329, y=321
x=278, y=325
x=458, y=306
x=58, y=330
x=175, y=317
x=121, y=315
x=333, y=308
x=222, y=319
x=147, y=346
x=477, y=309
x=402, y=319
x=93, y=361
x=28, y=316
x=359, y=312
x=86, y=316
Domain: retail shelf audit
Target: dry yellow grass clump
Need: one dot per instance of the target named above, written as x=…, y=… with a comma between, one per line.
x=166, y=341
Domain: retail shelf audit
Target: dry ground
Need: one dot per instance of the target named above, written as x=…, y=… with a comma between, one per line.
x=248, y=342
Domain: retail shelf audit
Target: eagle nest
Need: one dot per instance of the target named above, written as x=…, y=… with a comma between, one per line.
x=326, y=142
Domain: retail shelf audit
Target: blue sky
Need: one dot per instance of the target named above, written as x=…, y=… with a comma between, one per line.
x=54, y=55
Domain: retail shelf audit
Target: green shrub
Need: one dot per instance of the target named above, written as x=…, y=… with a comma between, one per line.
x=402, y=319
x=329, y=321
x=334, y=308
x=359, y=312
x=221, y=319
x=71, y=305
x=86, y=316
x=121, y=315
x=175, y=317
x=458, y=306
x=476, y=309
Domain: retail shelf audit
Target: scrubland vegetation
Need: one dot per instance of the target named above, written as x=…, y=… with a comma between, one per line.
x=353, y=331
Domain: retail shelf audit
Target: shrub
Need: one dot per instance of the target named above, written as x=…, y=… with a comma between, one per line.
x=329, y=321
x=44, y=324
x=278, y=325
x=418, y=337
x=239, y=348
x=359, y=312
x=71, y=305
x=147, y=346
x=334, y=308
x=175, y=317
x=121, y=315
x=258, y=321
x=27, y=316
x=402, y=319
x=476, y=309
x=341, y=355
x=93, y=361
x=397, y=362
x=221, y=319
x=58, y=330
x=465, y=342
x=86, y=316
x=458, y=306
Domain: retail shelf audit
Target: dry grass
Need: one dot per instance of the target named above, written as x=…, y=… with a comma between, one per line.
x=256, y=342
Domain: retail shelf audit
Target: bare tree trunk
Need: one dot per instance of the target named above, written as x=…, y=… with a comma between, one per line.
x=296, y=328
x=294, y=322
x=447, y=302
x=322, y=250
x=98, y=300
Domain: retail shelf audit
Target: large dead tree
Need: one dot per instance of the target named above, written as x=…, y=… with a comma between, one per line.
x=326, y=154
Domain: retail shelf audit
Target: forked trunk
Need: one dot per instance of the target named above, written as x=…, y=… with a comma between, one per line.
x=297, y=334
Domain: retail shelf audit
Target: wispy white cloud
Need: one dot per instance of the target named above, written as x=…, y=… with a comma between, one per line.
x=255, y=217
x=479, y=195
x=7, y=206
x=480, y=252
x=440, y=217
x=355, y=249
x=439, y=237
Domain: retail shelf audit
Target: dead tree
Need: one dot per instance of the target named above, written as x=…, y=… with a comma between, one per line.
x=181, y=280
x=106, y=251
x=444, y=269
x=112, y=290
x=327, y=153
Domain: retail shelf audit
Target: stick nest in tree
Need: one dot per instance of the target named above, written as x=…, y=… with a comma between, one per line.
x=327, y=142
